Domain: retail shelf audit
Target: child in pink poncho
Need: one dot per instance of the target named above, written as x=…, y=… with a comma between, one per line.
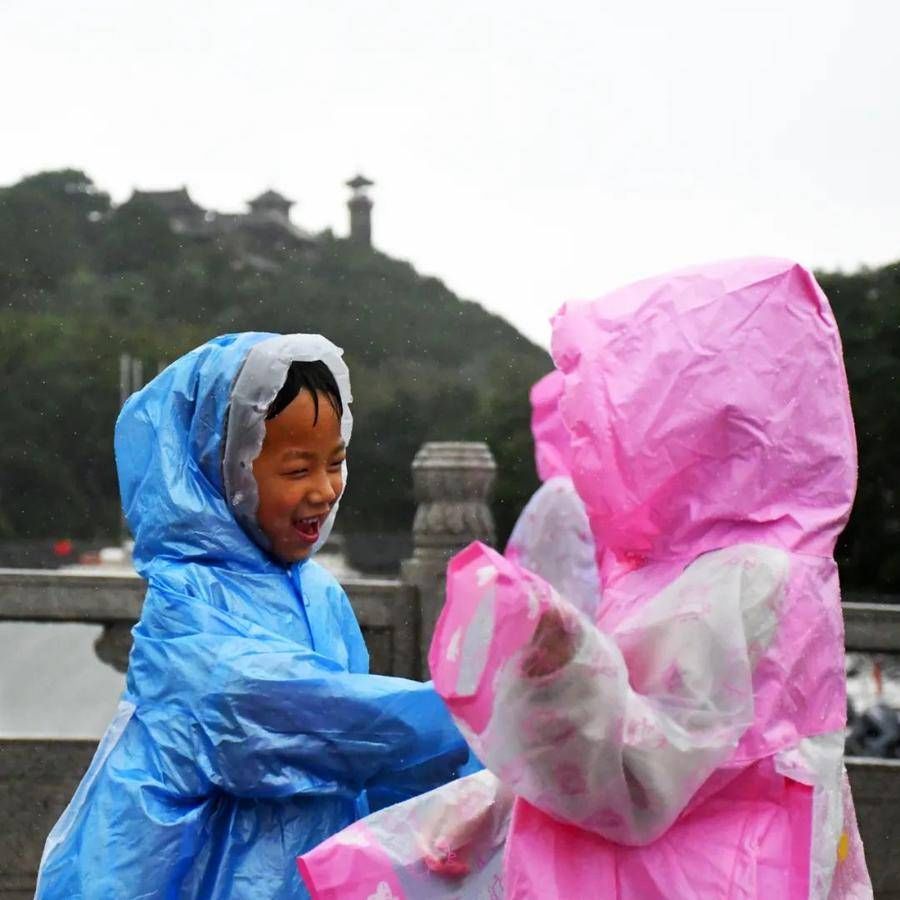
x=687, y=741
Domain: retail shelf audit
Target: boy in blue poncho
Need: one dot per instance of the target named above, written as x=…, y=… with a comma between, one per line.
x=249, y=730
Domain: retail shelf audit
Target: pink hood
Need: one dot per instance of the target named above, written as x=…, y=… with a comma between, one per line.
x=708, y=407
x=552, y=444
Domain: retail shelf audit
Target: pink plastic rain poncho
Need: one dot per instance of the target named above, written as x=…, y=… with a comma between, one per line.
x=553, y=536
x=691, y=746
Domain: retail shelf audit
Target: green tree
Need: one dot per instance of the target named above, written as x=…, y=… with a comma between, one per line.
x=867, y=307
x=59, y=405
x=425, y=364
x=138, y=238
x=48, y=229
x=81, y=282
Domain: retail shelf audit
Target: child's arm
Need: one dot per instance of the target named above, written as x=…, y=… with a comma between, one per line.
x=271, y=718
x=616, y=733
x=288, y=724
x=552, y=538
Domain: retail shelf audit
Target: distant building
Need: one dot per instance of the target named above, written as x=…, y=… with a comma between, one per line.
x=263, y=235
x=184, y=215
x=271, y=203
x=360, y=205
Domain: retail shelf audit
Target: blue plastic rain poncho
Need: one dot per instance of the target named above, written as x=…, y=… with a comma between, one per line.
x=249, y=730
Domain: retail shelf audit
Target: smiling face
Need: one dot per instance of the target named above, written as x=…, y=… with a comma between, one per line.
x=298, y=474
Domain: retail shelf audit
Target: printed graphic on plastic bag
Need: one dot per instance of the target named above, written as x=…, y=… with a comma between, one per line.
x=480, y=627
x=445, y=844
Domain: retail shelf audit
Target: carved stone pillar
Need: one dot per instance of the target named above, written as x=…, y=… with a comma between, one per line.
x=114, y=645
x=452, y=482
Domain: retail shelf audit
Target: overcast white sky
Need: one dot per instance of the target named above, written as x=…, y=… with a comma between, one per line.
x=525, y=152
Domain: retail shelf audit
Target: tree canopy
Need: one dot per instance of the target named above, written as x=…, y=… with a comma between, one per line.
x=82, y=282
x=867, y=307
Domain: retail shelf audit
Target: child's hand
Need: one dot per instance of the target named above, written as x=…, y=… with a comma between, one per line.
x=444, y=861
x=445, y=843
x=552, y=646
x=450, y=837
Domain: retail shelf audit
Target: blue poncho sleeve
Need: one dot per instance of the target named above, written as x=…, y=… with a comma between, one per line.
x=271, y=718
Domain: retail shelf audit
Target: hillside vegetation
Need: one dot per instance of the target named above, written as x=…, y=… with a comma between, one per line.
x=82, y=282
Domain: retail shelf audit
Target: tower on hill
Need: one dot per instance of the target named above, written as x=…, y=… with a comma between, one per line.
x=360, y=205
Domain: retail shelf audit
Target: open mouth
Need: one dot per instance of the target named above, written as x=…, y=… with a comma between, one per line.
x=308, y=529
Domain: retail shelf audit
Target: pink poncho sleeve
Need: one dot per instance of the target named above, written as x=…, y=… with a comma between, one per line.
x=619, y=739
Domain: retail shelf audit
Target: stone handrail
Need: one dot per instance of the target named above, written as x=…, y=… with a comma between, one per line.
x=872, y=627
x=386, y=609
x=397, y=627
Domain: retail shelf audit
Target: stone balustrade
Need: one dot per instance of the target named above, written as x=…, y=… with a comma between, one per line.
x=452, y=484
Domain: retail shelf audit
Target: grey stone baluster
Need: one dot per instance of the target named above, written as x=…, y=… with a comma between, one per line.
x=114, y=644
x=452, y=482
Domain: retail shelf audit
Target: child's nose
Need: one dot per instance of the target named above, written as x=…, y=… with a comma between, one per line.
x=322, y=491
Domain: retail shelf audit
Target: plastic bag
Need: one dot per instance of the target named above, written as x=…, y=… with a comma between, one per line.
x=445, y=844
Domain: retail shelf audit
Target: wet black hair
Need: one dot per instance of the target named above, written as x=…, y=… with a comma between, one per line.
x=316, y=378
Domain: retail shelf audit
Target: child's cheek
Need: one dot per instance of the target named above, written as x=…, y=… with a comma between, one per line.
x=291, y=494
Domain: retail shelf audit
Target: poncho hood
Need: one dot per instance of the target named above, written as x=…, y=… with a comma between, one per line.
x=708, y=407
x=552, y=444
x=188, y=493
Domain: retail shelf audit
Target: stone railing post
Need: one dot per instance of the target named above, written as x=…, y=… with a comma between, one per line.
x=114, y=645
x=452, y=482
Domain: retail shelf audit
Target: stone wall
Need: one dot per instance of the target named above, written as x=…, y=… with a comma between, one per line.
x=876, y=796
x=37, y=779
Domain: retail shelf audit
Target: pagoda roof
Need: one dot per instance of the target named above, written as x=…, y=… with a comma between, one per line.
x=270, y=198
x=178, y=200
x=358, y=182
